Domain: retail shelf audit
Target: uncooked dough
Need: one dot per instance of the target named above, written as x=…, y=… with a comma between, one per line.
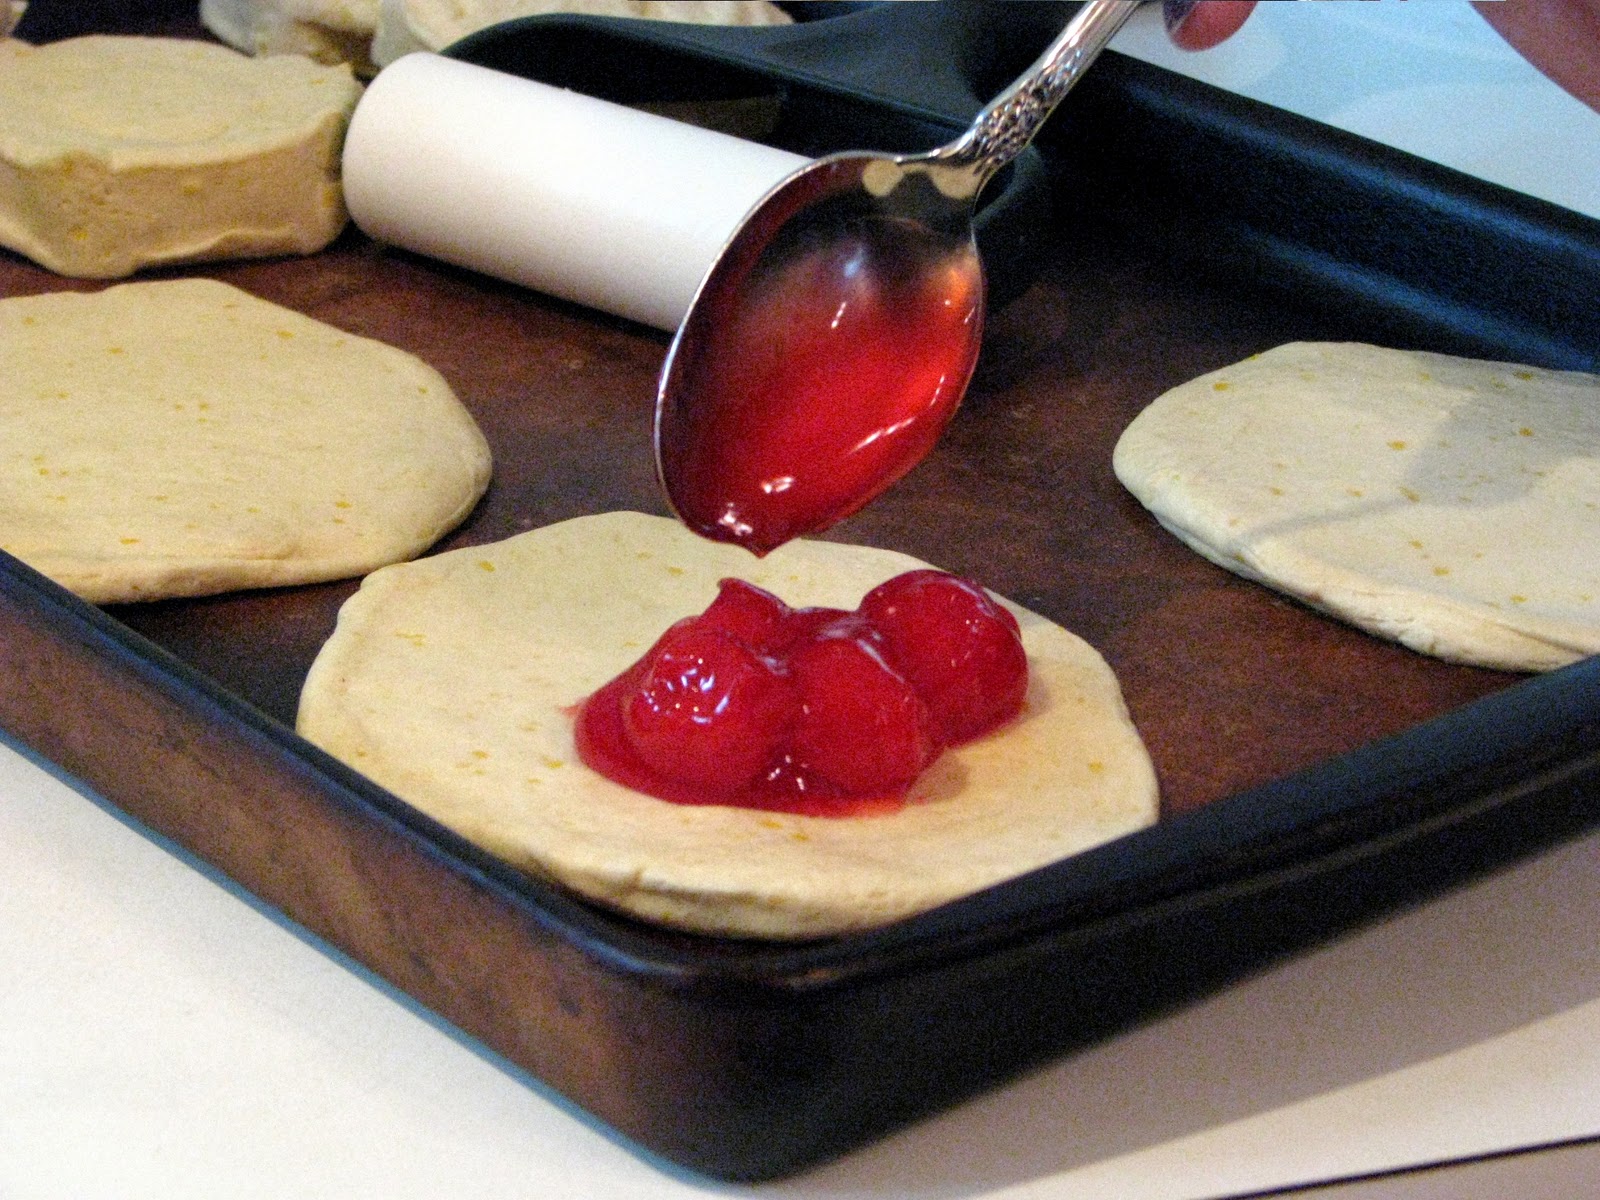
x=183, y=437
x=329, y=31
x=453, y=680
x=405, y=26
x=1449, y=504
x=118, y=153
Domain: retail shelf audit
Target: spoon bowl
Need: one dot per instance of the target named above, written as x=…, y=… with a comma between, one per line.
x=833, y=339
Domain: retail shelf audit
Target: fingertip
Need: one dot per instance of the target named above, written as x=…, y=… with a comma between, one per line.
x=1200, y=24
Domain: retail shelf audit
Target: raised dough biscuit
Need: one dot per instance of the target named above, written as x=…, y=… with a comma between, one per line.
x=329, y=31
x=118, y=153
x=183, y=437
x=1449, y=504
x=405, y=26
x=452, y=681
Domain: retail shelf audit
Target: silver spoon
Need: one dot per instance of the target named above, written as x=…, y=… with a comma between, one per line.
x=830, y=343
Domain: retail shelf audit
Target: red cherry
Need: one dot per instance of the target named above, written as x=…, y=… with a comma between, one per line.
x=762, y=621
x=802, y=624
x=861, y=728
x=960, y=649
x=708, y=710
x=807, y=709
x=753, y=615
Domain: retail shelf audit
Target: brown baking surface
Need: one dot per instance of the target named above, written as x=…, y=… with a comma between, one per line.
x=1230, y=685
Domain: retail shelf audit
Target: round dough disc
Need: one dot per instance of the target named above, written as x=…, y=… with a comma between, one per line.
x=182, y=437
x=1449, y=504
x=452, y=681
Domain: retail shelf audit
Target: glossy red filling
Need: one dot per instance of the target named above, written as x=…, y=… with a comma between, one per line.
x=819, y=711
x=834, y=378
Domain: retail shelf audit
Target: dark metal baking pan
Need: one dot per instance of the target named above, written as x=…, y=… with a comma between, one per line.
x=1313, y=777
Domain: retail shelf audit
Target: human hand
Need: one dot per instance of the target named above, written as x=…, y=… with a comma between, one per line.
x=1198, y=24
x=1561, y=38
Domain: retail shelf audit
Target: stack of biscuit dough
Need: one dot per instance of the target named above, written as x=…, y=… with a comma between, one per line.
x=329, y=31
x=370, y=34
x=119, y=153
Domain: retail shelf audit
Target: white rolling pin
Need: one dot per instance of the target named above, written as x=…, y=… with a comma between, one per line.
x=613, y=208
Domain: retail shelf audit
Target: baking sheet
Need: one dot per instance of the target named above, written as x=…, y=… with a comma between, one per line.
x=1233, y=688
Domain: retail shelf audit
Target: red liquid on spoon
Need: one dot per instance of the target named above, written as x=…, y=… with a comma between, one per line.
x=834, y=377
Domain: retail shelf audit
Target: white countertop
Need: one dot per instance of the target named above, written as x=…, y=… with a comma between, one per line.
x=1427, y=76
x=162, y=1035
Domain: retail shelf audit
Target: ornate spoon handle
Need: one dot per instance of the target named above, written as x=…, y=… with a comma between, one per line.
x=1003, y=129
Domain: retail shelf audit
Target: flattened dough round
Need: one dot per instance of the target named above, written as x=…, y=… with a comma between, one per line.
x=1449, y=504
x=183, y=437
x=451, y=681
